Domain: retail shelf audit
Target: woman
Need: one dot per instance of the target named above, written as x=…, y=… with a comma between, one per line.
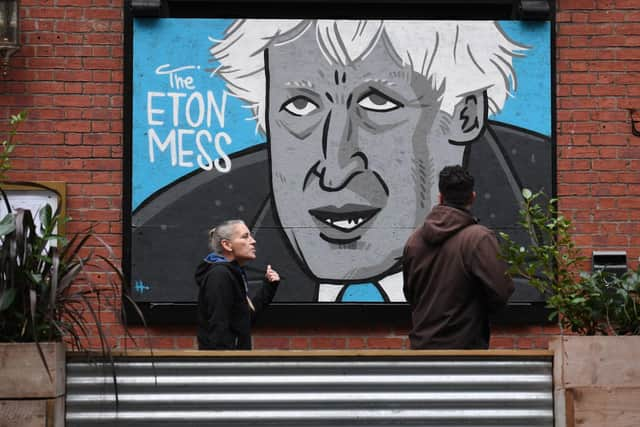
x=225, y=309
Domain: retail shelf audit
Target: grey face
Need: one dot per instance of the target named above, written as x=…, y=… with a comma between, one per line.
x=351, y=156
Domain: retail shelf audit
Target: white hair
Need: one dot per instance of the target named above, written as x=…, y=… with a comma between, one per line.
x=458, y=56
x=223, y=231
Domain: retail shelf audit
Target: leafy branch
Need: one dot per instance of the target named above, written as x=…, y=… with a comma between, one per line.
x=585, y=303
x=9, y=144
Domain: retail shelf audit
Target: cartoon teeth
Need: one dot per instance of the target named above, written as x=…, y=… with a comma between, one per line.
x=345, y=219
x=345, y=224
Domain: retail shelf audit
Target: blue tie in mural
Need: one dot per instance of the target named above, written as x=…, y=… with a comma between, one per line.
x=361, y=292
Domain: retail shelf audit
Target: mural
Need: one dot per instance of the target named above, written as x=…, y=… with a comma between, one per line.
x=326, y=137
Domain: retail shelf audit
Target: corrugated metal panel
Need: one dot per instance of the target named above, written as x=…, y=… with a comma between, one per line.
x=312, y=391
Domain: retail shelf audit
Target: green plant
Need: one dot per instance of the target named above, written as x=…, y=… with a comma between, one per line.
x=8, y=145
x=47, y=291
x=585, y=303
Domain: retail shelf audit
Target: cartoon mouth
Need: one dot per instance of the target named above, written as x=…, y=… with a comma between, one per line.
x=346, y=218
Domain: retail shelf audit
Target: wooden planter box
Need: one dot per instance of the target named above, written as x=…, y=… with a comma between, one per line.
x=597, y=381
x=28, y=396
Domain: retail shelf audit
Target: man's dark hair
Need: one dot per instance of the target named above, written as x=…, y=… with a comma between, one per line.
x=456, y=186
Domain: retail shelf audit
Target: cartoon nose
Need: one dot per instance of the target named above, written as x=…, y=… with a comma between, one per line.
x=341, y=160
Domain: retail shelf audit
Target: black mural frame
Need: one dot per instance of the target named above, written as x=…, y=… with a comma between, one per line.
x=323, y=315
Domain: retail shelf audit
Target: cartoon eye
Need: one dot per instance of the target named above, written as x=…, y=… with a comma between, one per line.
x=375, y=100
x=299, y=106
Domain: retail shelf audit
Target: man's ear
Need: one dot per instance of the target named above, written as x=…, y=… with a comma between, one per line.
x=474, y=196
x=469, y=118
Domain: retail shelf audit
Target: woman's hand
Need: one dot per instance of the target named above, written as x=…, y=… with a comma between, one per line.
x=271, y=275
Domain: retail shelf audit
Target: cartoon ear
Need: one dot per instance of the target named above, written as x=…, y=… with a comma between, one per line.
x=469, y=118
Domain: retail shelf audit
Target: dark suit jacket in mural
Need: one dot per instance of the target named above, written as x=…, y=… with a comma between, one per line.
x=170, y=229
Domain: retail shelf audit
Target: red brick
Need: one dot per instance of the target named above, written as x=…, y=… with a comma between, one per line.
x=611, y=215
x=580, y=78
x=502, y=342
x=101, y=215
x=44, y=12
x=102, y=139
x=186, y=343
x=100, y=127
x=101, y=151
x=30, y=25
x=327, y=343
x=563, y=17
x=98, y=13
x=163, y=342
x=608, y=16
x=580, y=115
x=576, y=103
x=611, y=241
x=299, y=343
x=608, y=190
x=72, y=100
x=573, y=127
x=80, y=75
x=573, y=54
x=102, y=63
x=100, y=176
x=609, y=152
x=102, y=101
x=579, y=152
x=73, y=26
x=73, y=51
x=102, y=76
x=271, y=343
x=102, y=114
x=357, y=343
x=73, y=88
x=609, y=165
x=103, y=38
x=385, y=343
x=72, y=126
x=90, y=88
x=609, y=139
x=575, y=4
x=61, y=164
x=101, y=51
x=573, y=190
x=102, y=189
x=117, y=52
x=608, y=90
x=578, y=203
x=586, y=29
x=611, y=115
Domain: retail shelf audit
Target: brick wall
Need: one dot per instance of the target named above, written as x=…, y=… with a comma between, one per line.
x=598, y=73
x=69, y=76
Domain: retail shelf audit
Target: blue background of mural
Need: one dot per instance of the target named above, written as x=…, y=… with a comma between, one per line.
x=182, y=42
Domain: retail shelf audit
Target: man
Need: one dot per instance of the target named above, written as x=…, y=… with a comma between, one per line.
x=358, y=116
x=452, y=275
x=225, y=309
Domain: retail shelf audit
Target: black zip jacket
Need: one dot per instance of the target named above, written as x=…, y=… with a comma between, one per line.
x=224, y=314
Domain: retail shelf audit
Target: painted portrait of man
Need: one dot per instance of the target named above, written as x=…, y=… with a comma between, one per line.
x=357, y=118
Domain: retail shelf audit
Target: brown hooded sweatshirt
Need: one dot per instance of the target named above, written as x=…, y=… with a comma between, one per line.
x=453, y=279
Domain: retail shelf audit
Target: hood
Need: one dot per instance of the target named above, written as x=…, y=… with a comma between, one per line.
x=443, y=222
x=203, y=267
